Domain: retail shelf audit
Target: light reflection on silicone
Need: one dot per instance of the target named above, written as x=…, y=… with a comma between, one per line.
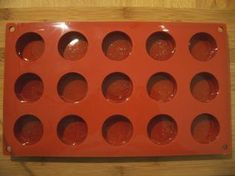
x=42, y=29
x=164, y=28
x=74, y=41
x=62, y=25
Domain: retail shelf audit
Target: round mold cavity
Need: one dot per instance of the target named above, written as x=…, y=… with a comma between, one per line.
x=205, y=128
x=202, y=46
x=117, y=130
x=73, y=46
x=117, y=87
x=117, y=45
x=30, y=46
x=29, y=87
x=72, y=87
x=160, y=46
x=162, y=129
x=204, y=87
x=72, y=130
x=162, y=87
x=28, y=130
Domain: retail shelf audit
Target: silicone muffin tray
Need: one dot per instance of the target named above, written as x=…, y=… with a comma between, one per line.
x=111, y=89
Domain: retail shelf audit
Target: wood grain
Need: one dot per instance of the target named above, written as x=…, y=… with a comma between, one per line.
x=118, y=10
x=205, y=4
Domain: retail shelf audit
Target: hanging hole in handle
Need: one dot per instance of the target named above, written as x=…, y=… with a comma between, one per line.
x=8, y=149
x=12, y=28
x=220, y=29
x=225, y=147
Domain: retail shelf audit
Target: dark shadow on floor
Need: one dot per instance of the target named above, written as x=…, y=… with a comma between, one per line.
x=120, y=159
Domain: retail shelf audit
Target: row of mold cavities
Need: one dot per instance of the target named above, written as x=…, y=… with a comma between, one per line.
x=117, y=87
x=116, y=46
x=116, y=130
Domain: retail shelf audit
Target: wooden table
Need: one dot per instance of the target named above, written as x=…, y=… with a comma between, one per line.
x=118, y=10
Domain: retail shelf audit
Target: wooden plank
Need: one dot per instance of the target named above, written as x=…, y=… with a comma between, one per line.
x=205, y=4
x=115, y=14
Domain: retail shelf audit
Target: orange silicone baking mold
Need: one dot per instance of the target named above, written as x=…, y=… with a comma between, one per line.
x=90, y=89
